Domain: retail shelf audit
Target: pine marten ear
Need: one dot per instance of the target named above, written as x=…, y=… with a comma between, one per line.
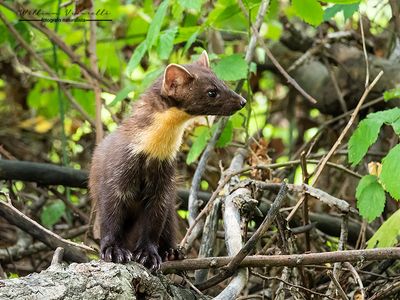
x=175, y=77
x=203, y=60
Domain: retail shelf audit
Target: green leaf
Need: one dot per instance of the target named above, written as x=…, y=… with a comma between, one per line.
x=52, y=213
x=396, y=126
x=386, y=116
x=347, y=9
x=390, y=172
x=84, y=98
x=190, y=41
x=122, y=94
x=330, y=12
x=191, y=4
x=136, y=57
x=387, y=235
x=232, y=67
x=166, y=43
x=3, y=34
x=391, y=94
x=362, y=138
x=370, y=197
x=226, y=135
x=156, y=24
x=199, y=143
x=309, y=10
x=341, y=1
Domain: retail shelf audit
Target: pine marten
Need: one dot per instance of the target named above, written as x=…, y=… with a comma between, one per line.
x=132, y=172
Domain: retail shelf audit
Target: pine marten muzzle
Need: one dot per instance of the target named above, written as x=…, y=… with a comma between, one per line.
x=132, y=176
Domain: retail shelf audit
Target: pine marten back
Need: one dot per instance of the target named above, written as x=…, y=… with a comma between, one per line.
x=133, y=169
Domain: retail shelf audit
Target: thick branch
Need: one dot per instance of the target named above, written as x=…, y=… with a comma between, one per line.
x=284, y=260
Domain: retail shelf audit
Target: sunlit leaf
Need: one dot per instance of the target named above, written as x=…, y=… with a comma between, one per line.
x=391, y=94
x=390, y=172
x=199, y=143
x=370, y=197
x=362, y=138
x=388, y=234
x=156, y=24
x=232, y=67
x=309, y=10
x=226, y=135
x=136, y=57
x=166, y=43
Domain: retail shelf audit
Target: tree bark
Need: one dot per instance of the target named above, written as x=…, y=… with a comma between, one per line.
x=94, y=280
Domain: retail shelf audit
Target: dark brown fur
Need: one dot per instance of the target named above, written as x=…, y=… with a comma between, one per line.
x=134, y=192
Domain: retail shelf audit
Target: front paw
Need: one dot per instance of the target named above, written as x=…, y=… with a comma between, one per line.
x=148, y=256
x=172, y=254
x=117, y=254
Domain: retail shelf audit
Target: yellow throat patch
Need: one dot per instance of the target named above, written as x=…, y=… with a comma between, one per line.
x=163, y=137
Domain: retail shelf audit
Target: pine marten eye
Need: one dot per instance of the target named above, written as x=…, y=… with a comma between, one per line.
x=212, y=93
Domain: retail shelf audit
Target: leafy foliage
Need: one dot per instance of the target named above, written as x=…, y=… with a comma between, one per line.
x=370, y=193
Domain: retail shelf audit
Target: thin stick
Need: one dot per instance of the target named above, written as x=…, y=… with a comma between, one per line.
x=95, y=83
x=357, y=278
x=365, y=53
x=338, y=286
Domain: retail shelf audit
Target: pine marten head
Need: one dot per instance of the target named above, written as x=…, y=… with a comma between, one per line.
x=196, y=90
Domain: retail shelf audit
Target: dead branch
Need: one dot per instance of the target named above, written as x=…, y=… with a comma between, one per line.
x=292, y=260
x=73, y=251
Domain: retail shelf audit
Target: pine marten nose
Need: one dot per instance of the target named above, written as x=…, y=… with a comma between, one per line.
x=242, y=102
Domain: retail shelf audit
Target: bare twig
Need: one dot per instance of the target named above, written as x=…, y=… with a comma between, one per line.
x=336, y=86
x=342, y=246
x=73, y=83
x=338, y=286
x=365, y=53
x=208, y=238
x=357, y=278
x=57, y=256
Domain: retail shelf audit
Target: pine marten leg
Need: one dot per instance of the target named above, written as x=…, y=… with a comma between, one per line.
x=150, y=225
x=113, y=215
x=168, y=248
